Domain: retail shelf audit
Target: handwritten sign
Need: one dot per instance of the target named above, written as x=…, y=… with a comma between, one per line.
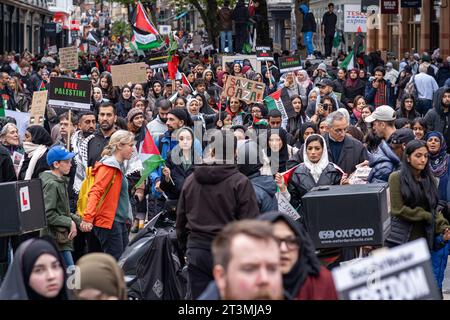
x=53, y=49
x=125, y=73
x=246, y=90
x=38, y=108
x=70, y=93
x=68, y=58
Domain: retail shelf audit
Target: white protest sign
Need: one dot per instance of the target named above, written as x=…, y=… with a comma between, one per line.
x=22, y=120
x=52, y=49
x=285, y=207
x=256, y=65
x=354, y=18
x=400, y=273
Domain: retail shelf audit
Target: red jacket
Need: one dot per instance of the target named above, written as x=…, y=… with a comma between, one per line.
x=318, y=288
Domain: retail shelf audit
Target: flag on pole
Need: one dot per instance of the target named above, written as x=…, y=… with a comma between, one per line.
x=185, y=81
x=274, y=102
x=288, y=174
x=144, y=33
x=150, y=157
x=349, y=62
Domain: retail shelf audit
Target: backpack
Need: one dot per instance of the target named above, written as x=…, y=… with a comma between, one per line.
x=86, y=186
x=411, y=89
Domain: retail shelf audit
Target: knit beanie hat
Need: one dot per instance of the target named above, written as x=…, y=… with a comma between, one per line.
x=133, y=113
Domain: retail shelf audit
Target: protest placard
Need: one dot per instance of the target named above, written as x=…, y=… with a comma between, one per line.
x=256, y=65
x=263, y=54
x=132, y=72
x=22, y=120
x=157, y=60
x=68, y=58
x=289, y=64
x=285, y=207
x=70, y=93
x=37, y=110
x=52, y=49
x=246, y=90
x=400, y=273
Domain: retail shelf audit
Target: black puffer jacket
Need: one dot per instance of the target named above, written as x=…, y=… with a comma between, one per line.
x=302, y=181
x=436, y=119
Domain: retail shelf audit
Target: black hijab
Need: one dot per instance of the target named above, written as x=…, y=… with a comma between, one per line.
x=248, y=158
x=16, y=284
x=283, y=154
x=40, y=136
x=307, y=264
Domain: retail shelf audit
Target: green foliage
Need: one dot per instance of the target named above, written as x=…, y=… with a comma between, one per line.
x=120, y=29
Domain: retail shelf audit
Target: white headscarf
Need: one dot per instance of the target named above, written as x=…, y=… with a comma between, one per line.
x=317, y=168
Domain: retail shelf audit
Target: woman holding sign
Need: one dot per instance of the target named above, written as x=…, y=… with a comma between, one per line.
x=236, y=110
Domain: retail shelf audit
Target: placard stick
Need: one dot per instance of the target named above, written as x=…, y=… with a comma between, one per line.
x=68, y=133
x=270, y=73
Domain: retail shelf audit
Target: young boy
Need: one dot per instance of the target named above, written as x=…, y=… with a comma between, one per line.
x=61, y=224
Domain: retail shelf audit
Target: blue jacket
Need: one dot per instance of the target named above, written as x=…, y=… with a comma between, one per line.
x=371, y=91
x=383, y=162
x=439, y=256
x=265, y=190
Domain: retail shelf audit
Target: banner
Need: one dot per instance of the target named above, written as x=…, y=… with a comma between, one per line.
x=246, y=90
x=70, y=93
x=411, y=3
x=256, y=65
x=289, y=64
x=400, y=273
x=157, y=60
x=264, y=54
x=132, y=72
x=354, y=18
x=370, y=6
x=37, y=110
x=389, y=6
x=68, y=58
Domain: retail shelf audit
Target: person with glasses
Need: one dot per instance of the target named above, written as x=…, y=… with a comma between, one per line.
x=303, y=276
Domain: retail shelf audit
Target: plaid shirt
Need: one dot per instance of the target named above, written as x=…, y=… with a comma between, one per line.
x=380, y=96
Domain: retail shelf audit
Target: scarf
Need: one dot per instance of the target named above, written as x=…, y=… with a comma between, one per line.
x=306, y=82
x=81, y=160
x=357, y=114
x=351, y=83
x=34, y=152
x=438, y=161
x=380, y=96
x=317, y=168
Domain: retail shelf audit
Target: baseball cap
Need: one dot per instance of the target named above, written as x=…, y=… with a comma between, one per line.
x=382, y=113
x=325, y=82
x=401, y=136
x=58, y=153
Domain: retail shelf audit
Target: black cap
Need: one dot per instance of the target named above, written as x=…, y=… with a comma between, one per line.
x=325, y=82
x=401, y=136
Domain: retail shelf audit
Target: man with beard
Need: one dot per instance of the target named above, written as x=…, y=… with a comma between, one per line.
x=157, y=126
x=437, y=118
x=246, y=263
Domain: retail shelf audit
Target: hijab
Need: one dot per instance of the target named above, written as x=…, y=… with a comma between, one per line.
x=16, y=284
x=306, y=82
x=100, y=271
x=248, y=158
x=351, y=83
x=316, y=169
x=307, y=264
x=40, y=136
x=283, y=154
x=304, y=127
x=438, y=161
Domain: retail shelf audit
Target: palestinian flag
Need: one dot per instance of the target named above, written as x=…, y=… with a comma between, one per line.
x=185, y=81
x=349, y=62
x=42, y=86
x=274, y=102
x=144, y=33
x=150, y=157
x=288, y=174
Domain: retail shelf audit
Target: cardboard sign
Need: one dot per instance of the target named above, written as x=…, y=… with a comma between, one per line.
x=263, y=54
x=411, y=3
x=52, y=49
x=38, y=108
x=389, y=6
x=68, y=58
x=285, y=207
x=70, y=93
x=400, y=273
x=256, y=65
x=354, y=18
x=157, y=60
x=289, y=64
x=125, y=73
x=246, y=90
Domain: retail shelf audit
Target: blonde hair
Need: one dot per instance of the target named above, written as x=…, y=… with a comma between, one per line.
x=119, y=137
